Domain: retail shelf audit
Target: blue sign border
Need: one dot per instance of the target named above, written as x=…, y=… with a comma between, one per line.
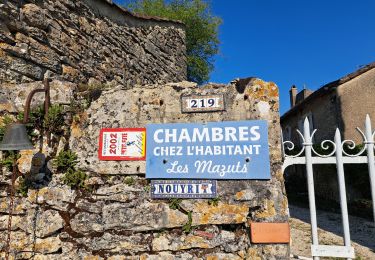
x=171, y=156
x=183, y=195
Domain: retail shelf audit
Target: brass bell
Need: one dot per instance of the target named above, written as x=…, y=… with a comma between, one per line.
x=16, y=138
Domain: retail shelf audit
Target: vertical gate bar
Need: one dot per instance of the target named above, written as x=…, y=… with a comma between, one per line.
x=282, y=145
x=310, y=184
x=370, y=156
x=342, y=188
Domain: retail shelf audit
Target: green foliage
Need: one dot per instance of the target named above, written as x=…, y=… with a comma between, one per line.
x=23, y=187
x=187, y=228
x=175, y=203
x=8, y=158
x=90, y=93
x=4, y=124
x=74, y=178
x=147, y=188
x=66, y=160
x=54, y=120
x=202, y=42
x=355, y=150
x=129, y=181
x=214, y=201
x=36, y=118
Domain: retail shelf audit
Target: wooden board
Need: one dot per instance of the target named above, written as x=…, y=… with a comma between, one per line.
x=269, y=232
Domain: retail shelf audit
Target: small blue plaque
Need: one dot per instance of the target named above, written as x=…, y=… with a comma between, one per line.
x=236, y=150
x=192, y=189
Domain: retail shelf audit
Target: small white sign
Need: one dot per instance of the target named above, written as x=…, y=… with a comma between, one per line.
x=333, y=251
x=198, y=103
x=127, y=144
x=183, y=189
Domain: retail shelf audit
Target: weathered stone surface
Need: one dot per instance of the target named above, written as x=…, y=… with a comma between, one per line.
x=18, y=70
x=89, y=206
x=85, y=223
x=50, y=257
x=220, y=214
x=47, y=245
x=158, y=104
x=6, y=105
x=16, y=222
x=19, y=206
x=147, y=216
x=78, y=40
x=21, y=242
x=159, y=256
x=164, y=243
x=62, y=92
x=115, y=218
x=56, y=197
x=244, y=195
x=118, y=244
x=94, y=181
x=34, y=16
x=48, y=223
x=120, y=193
x=203, y=239
x=223, y=256
x=31, y=161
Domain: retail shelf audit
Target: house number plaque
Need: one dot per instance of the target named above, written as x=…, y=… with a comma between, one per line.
x=200, y=103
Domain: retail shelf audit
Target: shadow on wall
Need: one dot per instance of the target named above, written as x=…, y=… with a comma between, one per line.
x=326, y=188
x=362, y=231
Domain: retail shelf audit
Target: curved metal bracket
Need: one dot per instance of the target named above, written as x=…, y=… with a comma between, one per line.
x=47, y=100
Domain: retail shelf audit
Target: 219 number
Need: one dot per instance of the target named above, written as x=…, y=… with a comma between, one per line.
x=202, y=103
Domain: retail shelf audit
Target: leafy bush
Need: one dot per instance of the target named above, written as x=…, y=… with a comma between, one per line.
x=66, y=160
x=23, y=187
x=8, y=158
x=175, y=203
x=35, y=121
x=74, y=178
x=90, y=93
x=129, y=181
x=355, y=150
x=202, y=41
x=214, y=201
x=147, y=188
x=187, y=228
x=4, y=124
x=54, y=120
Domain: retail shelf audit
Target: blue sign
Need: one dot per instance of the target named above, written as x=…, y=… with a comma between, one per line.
x=183, y=189
x=216, y=150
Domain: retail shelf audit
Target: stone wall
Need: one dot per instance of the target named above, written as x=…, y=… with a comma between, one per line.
x=355, y=101
x=324, y=113
x=116, y=218
x=83, y=39
x=343, y=106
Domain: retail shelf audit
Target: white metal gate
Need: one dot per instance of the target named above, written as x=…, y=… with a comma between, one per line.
x=338, y=156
